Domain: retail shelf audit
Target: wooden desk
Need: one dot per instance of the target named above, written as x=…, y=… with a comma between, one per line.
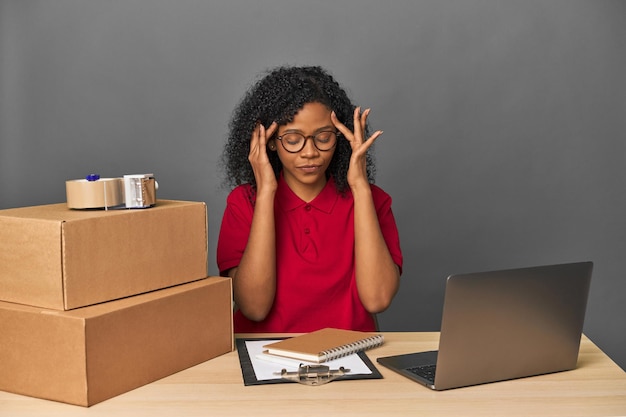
x=596, y=388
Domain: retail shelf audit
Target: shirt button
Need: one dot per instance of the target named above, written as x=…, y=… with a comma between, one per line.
x=307, y=230
x=307, y=207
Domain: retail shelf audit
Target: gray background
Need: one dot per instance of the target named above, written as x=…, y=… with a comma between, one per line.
x=504, y=121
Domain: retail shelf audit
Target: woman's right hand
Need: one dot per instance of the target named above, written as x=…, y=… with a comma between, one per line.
x=254, y=279
x=263, y=171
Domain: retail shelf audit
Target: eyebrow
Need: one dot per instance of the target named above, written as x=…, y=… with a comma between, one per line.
x=321, y=129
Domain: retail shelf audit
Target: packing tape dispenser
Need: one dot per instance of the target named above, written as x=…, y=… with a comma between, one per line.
x=130, y=191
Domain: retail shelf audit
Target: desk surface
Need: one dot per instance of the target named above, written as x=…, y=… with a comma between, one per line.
x=596, y=388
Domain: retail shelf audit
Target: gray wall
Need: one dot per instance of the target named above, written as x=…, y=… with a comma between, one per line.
x=504, y=121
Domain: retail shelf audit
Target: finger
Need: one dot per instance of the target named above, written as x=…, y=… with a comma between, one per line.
x=340, y=126
x=271, y=130
x=254, y=144
x=357, y=117
x=364, y=117
x=375, y=136
x=262, y=137
x=254, y=136
x=267, y=134
x=370, y=142
x=356, y=122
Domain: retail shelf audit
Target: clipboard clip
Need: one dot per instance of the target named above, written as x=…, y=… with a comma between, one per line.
x=314, y=374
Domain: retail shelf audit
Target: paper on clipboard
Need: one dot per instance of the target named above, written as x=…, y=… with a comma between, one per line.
x=268, y=367
x=256, y=371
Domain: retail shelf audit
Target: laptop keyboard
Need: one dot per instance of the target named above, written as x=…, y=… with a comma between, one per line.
x=425, y=371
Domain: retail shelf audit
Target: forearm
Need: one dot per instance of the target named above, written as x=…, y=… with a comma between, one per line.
x=254, y=279
x=377, y=275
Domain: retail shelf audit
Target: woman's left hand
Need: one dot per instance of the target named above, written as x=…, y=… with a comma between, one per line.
x=357, y=171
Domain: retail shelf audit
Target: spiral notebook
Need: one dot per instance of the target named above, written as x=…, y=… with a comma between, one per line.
x=325, y=344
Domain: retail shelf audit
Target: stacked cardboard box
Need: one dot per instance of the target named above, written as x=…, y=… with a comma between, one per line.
x=96, y=303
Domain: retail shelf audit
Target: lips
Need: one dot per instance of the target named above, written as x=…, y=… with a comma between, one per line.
x=309, y=168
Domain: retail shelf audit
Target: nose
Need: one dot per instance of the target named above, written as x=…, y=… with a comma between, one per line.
x=309, y=148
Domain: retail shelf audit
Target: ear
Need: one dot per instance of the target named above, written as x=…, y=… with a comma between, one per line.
x=271, y=144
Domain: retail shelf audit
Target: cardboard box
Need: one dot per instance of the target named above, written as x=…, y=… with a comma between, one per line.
x=90, y=354
x=55, y=257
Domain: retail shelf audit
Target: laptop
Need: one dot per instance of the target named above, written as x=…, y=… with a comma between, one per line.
x=501, y=325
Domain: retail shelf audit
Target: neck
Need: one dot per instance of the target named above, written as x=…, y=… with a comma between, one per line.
x=306, y=192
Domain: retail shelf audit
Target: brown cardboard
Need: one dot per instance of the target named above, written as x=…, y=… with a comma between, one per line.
x=90, y=354
x=55, y=257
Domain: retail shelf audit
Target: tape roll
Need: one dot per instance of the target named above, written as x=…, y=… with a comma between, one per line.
x=102, y=193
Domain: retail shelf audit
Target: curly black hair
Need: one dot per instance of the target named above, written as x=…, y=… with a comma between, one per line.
x=278, y=96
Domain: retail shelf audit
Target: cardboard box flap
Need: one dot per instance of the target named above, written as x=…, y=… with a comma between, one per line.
x=41, y=345
x=24, y=275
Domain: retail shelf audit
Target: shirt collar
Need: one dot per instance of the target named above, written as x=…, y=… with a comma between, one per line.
x=325, y=200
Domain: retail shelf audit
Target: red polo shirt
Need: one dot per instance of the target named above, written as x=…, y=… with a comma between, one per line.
x=315, y=273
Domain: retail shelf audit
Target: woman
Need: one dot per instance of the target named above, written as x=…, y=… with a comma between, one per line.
x=308, y=240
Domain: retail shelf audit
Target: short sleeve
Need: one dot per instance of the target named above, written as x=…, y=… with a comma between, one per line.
x=387, y=221
x=235, y=228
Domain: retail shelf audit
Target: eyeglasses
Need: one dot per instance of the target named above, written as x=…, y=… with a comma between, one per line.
x=294, y=142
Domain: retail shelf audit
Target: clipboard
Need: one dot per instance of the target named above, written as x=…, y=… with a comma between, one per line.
x=250, y=377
